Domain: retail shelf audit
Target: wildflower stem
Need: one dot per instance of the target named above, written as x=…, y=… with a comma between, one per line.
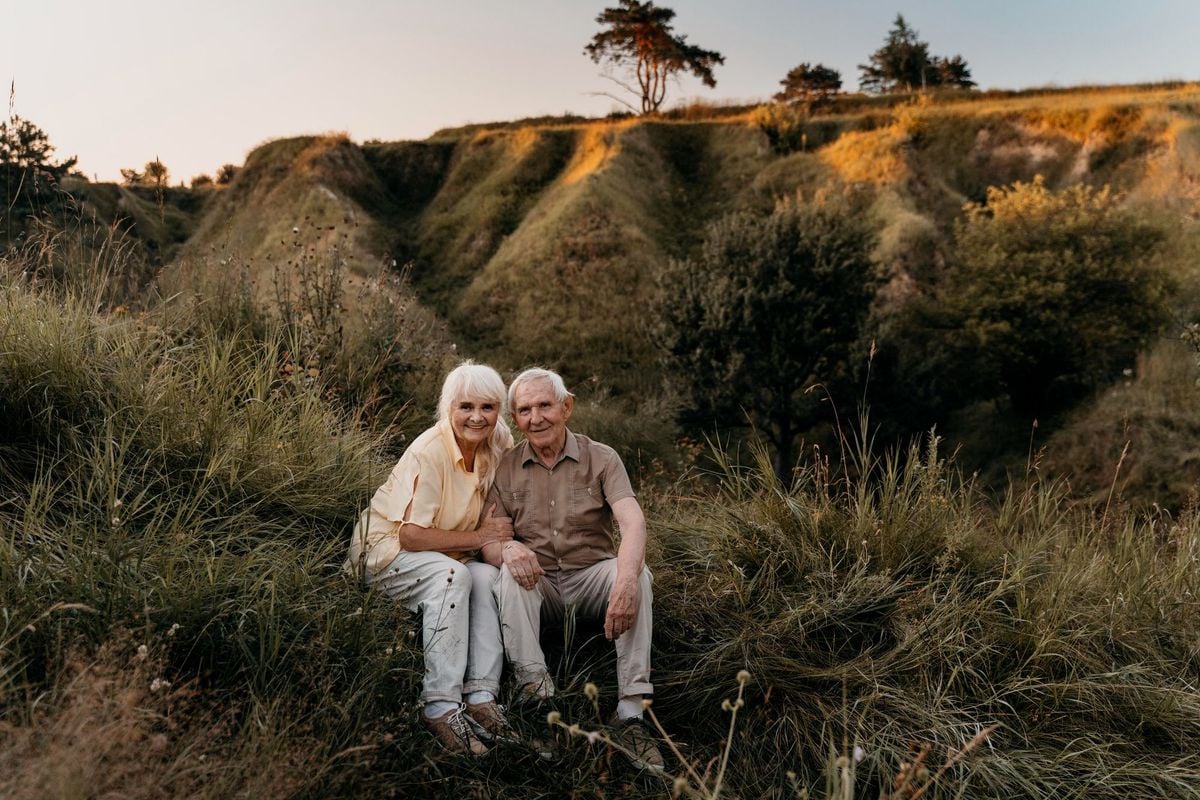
x=716, y=792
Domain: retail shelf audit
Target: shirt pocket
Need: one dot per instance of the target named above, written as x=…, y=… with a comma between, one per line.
x=517, y=505
x=587, y=505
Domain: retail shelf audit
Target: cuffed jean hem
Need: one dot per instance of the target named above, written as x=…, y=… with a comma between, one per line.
x=481, y=685
x=635, y=689
x=440, y=698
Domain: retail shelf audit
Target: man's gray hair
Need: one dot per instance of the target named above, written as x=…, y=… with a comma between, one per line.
x=538, y=374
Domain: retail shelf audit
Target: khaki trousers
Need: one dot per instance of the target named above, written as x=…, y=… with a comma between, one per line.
x=523, y=610
x=459, y=622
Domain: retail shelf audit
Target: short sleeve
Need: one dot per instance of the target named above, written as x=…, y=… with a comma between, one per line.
x=414, y=493
x=615, y=478
x=494, y=498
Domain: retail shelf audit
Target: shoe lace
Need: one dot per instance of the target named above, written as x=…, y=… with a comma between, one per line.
x=459, y=726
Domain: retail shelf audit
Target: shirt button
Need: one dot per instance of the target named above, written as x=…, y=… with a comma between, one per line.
x=556, y=532
x=560, y=562
x=552, y=504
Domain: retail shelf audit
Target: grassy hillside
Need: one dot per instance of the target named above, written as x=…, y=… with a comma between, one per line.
x=542, y=241
x=179, y=470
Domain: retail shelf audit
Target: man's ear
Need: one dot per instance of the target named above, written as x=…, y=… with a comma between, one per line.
x=568, y=407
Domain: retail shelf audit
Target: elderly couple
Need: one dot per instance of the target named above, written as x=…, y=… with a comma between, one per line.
x=478, y=537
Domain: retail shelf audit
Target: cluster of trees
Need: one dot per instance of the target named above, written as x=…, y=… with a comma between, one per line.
x=904, y=63
x=1047, y=296
x=642, y=53
x=155, y=174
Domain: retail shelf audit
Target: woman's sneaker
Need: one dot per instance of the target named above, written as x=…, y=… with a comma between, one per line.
x=490, y=723
x=453, y=732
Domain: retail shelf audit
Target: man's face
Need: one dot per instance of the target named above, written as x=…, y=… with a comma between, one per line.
x=540, y=415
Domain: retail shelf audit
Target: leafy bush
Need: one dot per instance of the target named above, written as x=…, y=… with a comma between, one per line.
x=770, y=306
x=1054, y=293
x=1048, y=296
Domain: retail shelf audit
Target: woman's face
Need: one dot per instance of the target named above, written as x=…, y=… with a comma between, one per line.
x=473, y=419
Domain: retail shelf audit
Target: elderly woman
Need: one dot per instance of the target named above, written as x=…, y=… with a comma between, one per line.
x=417, y=541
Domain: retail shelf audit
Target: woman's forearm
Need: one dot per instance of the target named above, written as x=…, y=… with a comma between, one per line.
x=414, y=538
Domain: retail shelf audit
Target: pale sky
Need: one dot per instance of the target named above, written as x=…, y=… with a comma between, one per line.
x=199, y=84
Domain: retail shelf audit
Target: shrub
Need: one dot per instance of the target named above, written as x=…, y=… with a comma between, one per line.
x=1052, y=293
x=770, y=306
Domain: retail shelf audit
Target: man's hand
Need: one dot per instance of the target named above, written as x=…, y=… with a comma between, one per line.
x=495, y=529
x=522, y=563
x=622, y=606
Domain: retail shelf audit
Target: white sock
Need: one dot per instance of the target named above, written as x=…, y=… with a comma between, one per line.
x=482, y=696
x=629, y=707
x=436, y=708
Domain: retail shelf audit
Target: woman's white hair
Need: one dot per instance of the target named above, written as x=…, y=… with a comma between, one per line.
x=538, y=374
x=471, y=381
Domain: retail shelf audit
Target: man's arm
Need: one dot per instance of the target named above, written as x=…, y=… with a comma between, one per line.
x=631, y=557
x=522, y=562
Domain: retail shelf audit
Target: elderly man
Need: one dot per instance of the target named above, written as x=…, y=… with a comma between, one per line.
x=562, y=491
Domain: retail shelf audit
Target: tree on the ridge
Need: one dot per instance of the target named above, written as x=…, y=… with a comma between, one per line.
x=156, y=174
x=770, y=306
x=809, y=85
x=639, y=39
x=29, y=176
x=226, y=174
x=953, y=72
x=904, y=63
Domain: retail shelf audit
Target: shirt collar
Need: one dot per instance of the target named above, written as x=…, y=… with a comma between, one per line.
x=570, y=450
x=451, y=444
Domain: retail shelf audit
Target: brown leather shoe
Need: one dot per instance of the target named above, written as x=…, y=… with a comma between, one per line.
x=640, y=743
x=490, y=723
x=454, y=733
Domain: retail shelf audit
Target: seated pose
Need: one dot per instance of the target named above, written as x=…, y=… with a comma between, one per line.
x=416, y=543
x=562, y=491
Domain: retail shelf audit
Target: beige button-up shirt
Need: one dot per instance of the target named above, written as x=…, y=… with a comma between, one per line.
x=429, y=486
x=563, y=513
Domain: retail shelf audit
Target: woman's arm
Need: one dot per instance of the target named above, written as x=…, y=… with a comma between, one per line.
x=491, y=530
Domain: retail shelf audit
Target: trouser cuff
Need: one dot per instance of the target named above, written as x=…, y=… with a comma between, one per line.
x=435, y=697
x=481, y=685
x=634, y=689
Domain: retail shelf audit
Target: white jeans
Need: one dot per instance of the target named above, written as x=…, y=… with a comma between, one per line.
x=459, y=621
x=522, y=611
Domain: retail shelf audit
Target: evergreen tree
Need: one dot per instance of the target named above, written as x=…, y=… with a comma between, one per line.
x=809, y=85
x=904, y=64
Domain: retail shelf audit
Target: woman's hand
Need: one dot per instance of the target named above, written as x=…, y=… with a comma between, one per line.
x=493, y=529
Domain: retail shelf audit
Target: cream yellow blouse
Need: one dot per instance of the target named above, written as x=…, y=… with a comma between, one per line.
x=429, y=486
